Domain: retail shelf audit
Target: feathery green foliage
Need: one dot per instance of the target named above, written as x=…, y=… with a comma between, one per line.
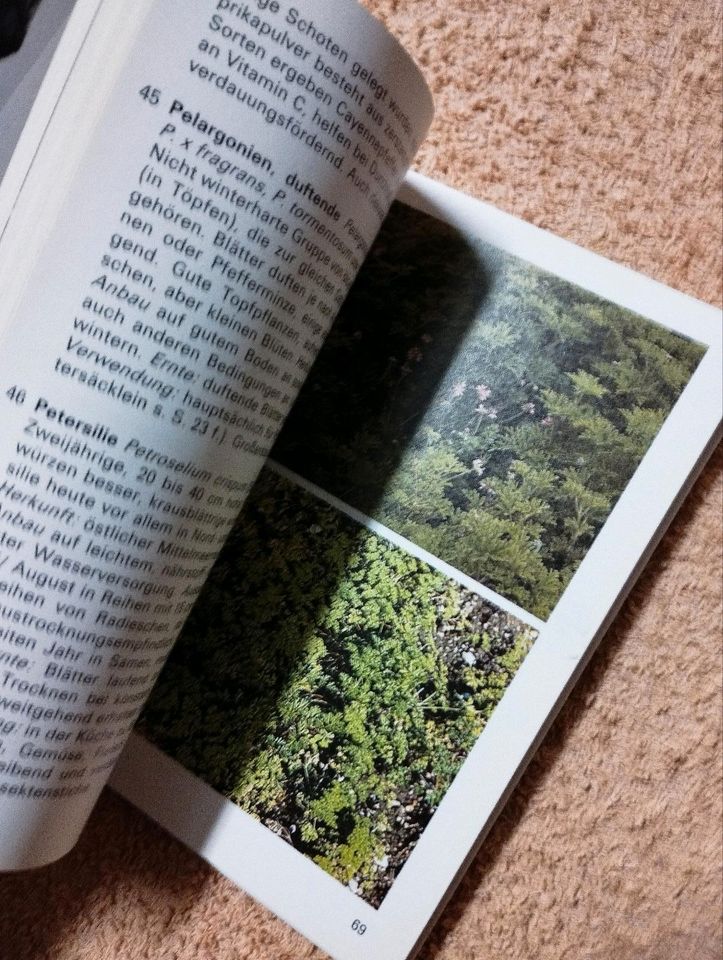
x=331, y=684
x=489, y=411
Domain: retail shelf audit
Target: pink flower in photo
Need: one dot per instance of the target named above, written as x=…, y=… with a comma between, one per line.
x=528, y=408
x=414, y=353
x=483, y=391
x=484, y=411
x=458, y=389
x=546, y=421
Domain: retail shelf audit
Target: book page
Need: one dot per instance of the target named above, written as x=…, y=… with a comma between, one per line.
x=444, y=529
x=198, y=187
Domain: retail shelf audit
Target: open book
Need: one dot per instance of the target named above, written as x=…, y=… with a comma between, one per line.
x=432, y=535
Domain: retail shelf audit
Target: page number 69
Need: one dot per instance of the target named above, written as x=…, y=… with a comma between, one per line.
x=359, y=927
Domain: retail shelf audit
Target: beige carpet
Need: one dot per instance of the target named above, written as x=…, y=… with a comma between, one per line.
x=599, y=119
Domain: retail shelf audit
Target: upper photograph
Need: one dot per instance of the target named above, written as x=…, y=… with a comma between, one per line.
x=487, y=411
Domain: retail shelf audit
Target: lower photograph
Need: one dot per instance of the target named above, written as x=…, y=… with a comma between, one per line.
x=331, y=684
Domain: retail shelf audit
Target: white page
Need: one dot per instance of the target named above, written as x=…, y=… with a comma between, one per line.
x=193, y=195
x=337, y=915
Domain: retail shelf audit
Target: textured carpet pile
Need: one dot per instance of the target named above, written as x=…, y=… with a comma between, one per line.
x=600, y=120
